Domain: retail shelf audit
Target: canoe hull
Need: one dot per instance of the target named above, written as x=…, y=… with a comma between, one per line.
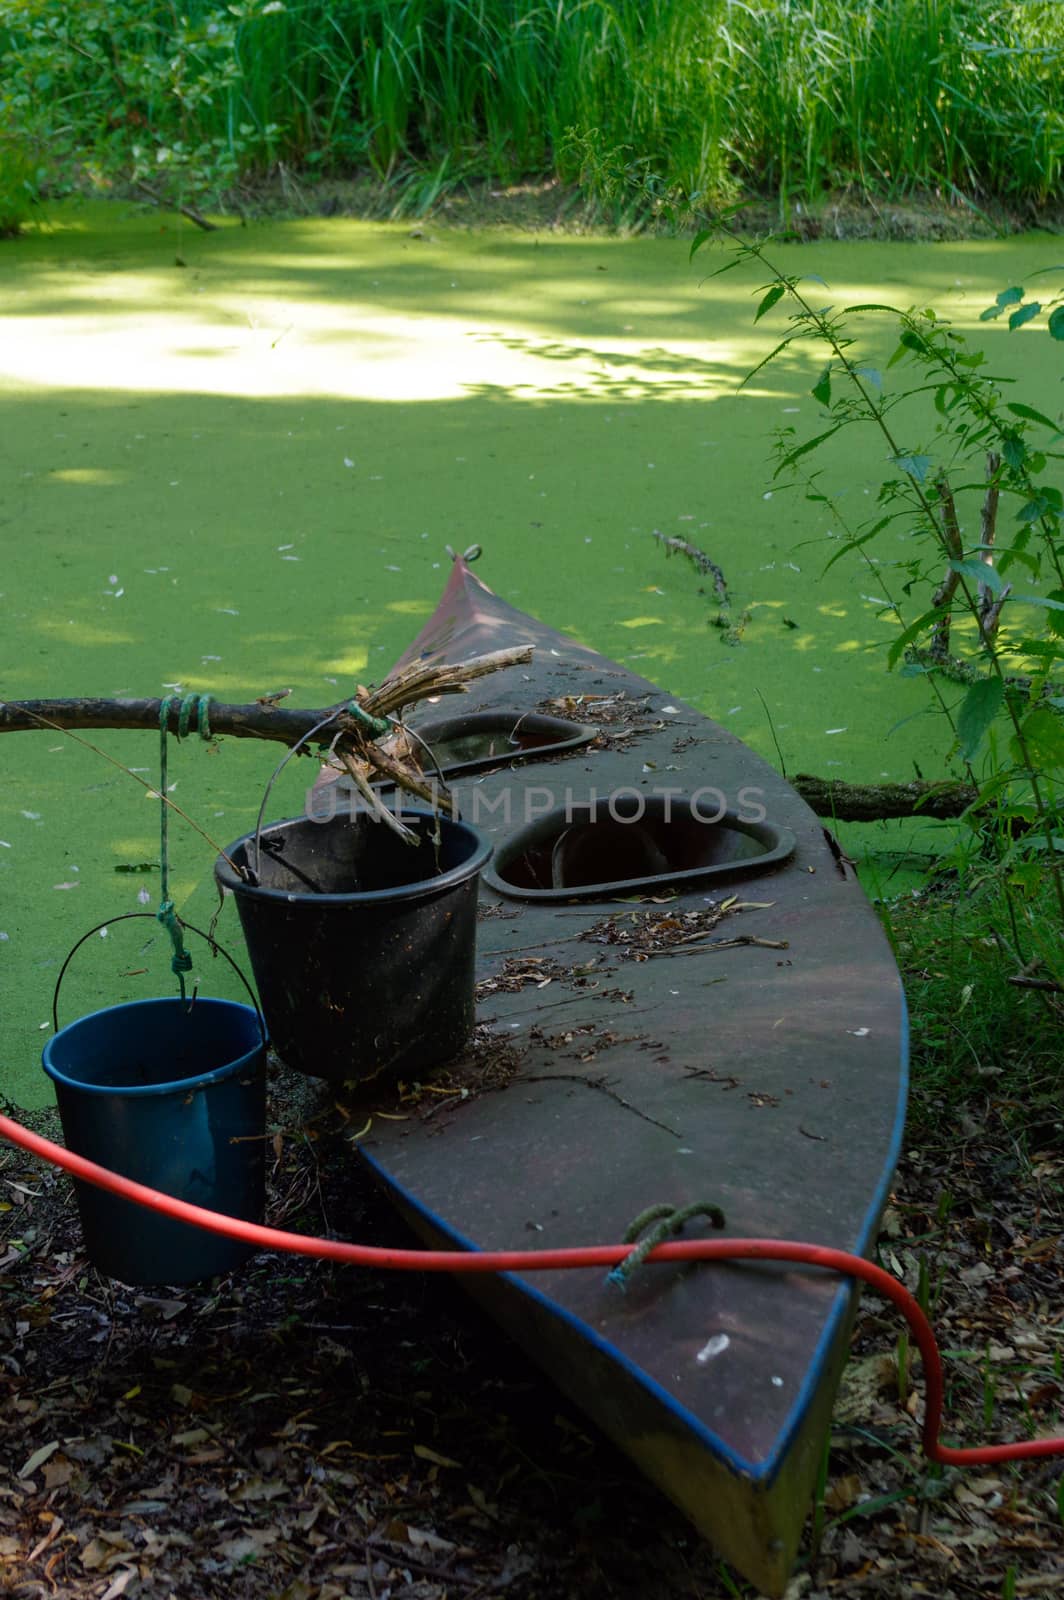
x=761, y=1068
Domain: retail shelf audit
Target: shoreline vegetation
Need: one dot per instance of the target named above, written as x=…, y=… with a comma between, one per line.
x=899, y=118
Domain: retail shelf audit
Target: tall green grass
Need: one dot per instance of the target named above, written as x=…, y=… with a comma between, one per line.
x=791, y=97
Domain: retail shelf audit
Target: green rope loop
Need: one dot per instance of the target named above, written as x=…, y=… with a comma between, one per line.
x=376, y=727
x=192, y=705
x=670, y=1220
x=198, y=705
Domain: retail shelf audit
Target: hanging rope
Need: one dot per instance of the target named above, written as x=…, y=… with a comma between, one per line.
x=192, y=705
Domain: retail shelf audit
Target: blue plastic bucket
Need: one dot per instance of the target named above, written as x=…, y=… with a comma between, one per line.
x=173, y=1095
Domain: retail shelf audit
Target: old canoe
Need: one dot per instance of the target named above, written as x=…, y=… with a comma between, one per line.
x=638, y=1044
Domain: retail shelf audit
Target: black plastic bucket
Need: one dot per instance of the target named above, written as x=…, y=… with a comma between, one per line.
x=363, y=947
x=172, y=1094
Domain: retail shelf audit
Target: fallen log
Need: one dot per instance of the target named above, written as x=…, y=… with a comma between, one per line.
x=880, y=802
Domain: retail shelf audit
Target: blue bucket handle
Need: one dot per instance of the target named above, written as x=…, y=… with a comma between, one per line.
x=130, y=916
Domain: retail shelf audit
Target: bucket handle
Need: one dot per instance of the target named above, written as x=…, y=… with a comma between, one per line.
x=130, y=916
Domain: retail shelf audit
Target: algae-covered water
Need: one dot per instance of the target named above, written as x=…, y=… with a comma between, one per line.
x=238, y=474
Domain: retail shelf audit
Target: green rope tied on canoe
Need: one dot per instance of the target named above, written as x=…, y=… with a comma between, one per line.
x=191, y=705
x=376, y=727
x=670, y=1220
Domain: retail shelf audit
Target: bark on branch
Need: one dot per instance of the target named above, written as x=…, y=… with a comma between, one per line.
x=878, y=802
x=262, y=719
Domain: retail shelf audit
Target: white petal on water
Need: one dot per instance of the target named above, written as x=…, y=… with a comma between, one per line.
x=103, y=933
x=289, y=558
x=4, y=937
x=713, y=1347
x=348, y=462
x=5, y=844
x=858, y=1033
x=143, y=897
x=113, y=579
x=32, y=816
x=286, y=547
x=227, y=611
x=835, y=730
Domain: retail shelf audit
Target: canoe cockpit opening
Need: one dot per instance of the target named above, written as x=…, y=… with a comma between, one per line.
x=486, y=739
x=631, y=842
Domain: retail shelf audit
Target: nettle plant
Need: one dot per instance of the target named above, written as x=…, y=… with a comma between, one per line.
x=978, y=595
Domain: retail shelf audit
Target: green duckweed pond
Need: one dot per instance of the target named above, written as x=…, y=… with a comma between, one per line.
x=232, y=462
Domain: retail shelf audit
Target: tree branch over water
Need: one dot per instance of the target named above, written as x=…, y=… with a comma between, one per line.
x=264, y=719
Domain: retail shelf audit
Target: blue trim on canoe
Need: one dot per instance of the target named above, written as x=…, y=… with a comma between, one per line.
x=767, y=1470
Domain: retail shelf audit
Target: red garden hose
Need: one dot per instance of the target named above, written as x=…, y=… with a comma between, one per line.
x=606, y=1255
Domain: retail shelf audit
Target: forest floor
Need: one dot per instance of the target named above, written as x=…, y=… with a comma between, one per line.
x=299, y=1431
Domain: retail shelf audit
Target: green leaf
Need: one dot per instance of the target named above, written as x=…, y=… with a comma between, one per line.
x=699, y=240
x=1024, y=314
x=915, y=466
x=1056, y=329
x=777, y=291
x=1009, y=297
x=979, y=572
x=822, y=388
x=855, y=544
x=803, y=449
x=981, y=705
x=1030, y=413
x=770, y=357
x=1008, y=555
x=1014, y=450
x=1043, y=734
x=913, y=631
x=1040, y=649
x=1041, y=600
x=1055, y=621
